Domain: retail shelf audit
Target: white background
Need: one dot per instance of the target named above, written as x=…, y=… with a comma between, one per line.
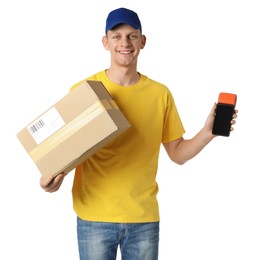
x=197, y=48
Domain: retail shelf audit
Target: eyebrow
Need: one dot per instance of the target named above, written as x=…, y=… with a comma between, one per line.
x=119, y=32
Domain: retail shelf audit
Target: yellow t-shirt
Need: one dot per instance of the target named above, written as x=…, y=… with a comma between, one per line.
x=118, y=183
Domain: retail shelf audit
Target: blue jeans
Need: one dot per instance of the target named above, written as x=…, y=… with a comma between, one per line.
x=100, y=240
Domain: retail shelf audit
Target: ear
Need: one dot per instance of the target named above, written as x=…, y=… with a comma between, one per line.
x=143, y=41
x=105, y=42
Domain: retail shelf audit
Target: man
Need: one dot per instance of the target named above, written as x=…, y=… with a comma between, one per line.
x=114, y=191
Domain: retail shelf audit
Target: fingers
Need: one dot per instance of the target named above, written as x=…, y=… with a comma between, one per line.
x=235, y=114
x=52, y=184
x=45, y=182
x=233, y=121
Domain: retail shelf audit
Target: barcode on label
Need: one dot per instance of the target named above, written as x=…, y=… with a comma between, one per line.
x=46, y=125
x=35, y=127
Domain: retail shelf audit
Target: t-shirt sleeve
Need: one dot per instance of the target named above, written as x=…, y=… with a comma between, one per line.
x=173, y=127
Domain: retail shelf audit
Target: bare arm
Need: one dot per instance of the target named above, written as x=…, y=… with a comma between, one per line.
x=181, y=150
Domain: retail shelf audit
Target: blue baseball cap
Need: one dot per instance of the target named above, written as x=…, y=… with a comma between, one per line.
x=125, y=16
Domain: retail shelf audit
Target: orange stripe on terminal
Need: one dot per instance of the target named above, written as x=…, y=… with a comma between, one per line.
x=227, y=98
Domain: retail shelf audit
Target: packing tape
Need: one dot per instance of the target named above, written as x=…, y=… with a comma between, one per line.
x=69, y=129
x=113, y=103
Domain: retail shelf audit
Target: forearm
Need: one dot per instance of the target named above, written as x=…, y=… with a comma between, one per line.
x=181, y=150
x=187, y=149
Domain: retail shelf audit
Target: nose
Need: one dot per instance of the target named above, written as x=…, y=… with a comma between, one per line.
x=125, y=41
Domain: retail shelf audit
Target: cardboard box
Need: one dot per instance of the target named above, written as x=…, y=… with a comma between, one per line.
x=73, y=129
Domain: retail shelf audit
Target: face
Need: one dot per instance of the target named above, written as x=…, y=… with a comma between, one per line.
x=124, y=43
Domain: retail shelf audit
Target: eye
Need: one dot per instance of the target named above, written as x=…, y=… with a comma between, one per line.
x=133, y=36
x=116, y=37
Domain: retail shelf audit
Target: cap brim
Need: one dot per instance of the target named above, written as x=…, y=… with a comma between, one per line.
x=112, y=25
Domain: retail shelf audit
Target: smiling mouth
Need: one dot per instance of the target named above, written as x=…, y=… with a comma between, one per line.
x=125, y=52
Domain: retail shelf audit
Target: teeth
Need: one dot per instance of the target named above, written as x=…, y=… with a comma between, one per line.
x=125, y=52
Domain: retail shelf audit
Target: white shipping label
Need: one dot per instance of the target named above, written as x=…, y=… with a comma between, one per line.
x=46, y=125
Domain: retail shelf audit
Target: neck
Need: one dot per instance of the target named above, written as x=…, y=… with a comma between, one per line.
x=123, y=76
